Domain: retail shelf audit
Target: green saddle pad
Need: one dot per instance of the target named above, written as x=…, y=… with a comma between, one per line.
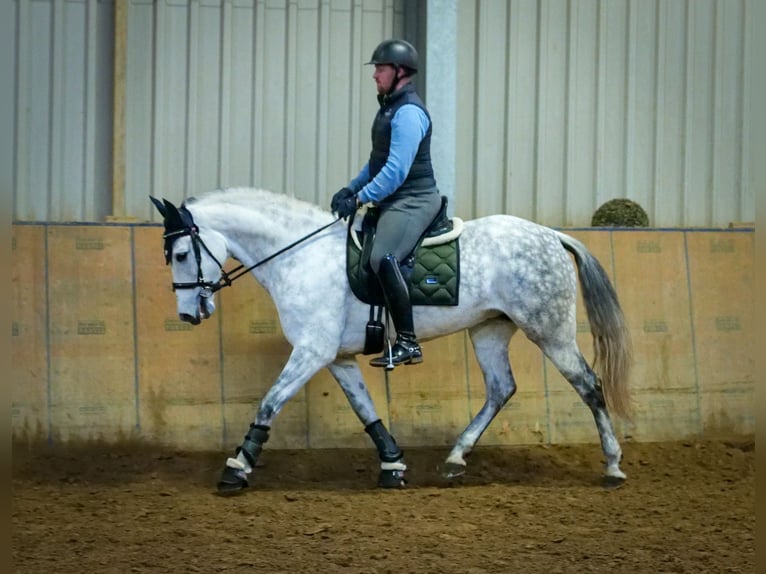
x=433, y=274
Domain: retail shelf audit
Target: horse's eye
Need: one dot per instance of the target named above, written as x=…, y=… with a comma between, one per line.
x=181, y=257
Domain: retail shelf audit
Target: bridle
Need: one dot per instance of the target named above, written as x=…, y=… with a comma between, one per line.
x=227, y=278
x=208, y=287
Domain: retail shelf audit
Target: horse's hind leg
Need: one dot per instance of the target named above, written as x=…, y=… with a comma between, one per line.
x=570, y=362
x=348, y=375
x=490, y=343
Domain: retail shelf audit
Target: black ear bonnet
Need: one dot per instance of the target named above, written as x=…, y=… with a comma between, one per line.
x=178, y=222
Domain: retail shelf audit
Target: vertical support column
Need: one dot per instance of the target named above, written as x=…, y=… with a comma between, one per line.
x=118, y=126
x=441, y=91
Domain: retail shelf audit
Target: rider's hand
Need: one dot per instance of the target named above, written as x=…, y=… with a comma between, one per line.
x=343, y=203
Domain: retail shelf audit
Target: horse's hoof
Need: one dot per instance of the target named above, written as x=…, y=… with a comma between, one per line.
x=391, y=479
x=453, y=470
x=233, y=481
x=612, y=482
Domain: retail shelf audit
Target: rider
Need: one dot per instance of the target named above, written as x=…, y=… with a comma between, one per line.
x=398, y=179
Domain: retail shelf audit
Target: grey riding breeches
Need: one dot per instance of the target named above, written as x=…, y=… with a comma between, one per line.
x=401, y=222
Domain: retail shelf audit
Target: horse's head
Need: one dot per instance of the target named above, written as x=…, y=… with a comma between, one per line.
x=195, y=257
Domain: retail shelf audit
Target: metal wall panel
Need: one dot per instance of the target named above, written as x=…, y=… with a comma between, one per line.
x=268, y=93
x=216, y=93
x=569, y=104
x=561, y=105
x=58, y=150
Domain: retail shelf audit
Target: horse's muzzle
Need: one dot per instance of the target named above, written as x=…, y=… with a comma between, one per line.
x=205, y=308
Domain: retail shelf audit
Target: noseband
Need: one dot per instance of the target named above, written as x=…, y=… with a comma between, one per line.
x=208, y=287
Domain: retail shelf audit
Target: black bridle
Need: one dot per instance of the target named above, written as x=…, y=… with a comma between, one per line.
x=227, y=278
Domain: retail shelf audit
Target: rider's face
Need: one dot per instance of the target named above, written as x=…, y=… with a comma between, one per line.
x=385, y=77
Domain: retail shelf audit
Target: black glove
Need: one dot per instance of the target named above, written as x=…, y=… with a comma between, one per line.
x=343, y=203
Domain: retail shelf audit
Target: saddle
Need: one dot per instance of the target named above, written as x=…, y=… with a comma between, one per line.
x=432, y=270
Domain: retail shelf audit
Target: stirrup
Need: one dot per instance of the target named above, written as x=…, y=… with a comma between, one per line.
x=404, y=352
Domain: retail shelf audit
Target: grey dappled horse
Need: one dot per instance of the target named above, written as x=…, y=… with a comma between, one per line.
x=515, y=274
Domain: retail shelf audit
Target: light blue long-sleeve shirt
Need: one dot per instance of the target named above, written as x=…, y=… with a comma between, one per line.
x=408, y=128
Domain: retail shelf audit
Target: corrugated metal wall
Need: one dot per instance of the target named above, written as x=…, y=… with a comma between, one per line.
x=271, y=94
x=566, y=105
x=268, y=93
x=57, y=65
x=561, y=105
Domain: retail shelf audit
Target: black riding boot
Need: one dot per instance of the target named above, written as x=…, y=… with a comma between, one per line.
x=405, y=350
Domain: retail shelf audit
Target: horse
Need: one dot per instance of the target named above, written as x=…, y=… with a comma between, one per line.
x=515, y=275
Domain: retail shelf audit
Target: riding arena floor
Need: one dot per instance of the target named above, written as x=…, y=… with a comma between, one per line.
x=686, y=507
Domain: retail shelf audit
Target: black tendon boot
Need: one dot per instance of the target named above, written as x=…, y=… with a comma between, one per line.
x=392, y=467
x=234, y=478
x=405, y=350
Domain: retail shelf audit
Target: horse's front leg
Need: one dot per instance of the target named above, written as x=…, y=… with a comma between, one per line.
x=346, y=371
x=303, y=363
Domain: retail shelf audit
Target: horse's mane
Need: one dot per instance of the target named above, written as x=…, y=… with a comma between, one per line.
x=260, y=200
x=251, y=196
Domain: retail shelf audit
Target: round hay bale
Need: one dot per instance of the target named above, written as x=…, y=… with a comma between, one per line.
x=620, y=212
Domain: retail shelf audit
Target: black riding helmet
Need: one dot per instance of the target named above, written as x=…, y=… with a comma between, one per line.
x=397, y=53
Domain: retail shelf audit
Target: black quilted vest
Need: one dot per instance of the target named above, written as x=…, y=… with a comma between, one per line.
x=421, y=175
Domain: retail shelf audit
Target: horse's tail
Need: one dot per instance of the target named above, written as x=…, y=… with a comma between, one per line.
x=611, y=338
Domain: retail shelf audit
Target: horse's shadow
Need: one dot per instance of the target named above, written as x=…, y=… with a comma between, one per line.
x=315, y=469
x=357, y=469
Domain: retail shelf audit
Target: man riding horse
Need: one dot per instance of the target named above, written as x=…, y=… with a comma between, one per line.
x=399, y=180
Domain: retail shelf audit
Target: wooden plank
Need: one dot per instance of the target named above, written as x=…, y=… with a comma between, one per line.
x=728, y=411
x=254, y=353
x=723, y=299
x=427, y=404
x=651, y=274
x=570, y=420
x=29, y=342
x=664, y=414
x=179, y=365
x=683, y=384
x=92, y=380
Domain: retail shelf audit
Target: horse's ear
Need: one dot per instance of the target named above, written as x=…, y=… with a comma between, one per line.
x=159, y=206
x=169, y=207
x=173, y=219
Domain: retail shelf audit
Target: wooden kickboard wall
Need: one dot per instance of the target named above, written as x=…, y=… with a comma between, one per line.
x=98, y=352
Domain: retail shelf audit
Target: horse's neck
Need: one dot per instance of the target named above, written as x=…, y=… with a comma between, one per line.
x=254, y=238
x=254, y=235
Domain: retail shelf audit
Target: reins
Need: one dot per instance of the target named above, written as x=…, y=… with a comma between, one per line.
x=227, y=278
